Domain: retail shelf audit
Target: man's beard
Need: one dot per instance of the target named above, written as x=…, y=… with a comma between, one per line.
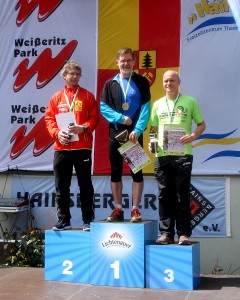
x=126, y=71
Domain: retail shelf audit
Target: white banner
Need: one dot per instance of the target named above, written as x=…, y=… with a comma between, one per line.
x=37, y=38
x=209, y=67
x=207, y=202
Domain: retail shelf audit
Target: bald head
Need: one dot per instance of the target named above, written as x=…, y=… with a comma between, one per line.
x=171, y=83
x=173, y=74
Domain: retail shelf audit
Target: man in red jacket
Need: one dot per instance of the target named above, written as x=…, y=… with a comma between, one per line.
x=76, y=153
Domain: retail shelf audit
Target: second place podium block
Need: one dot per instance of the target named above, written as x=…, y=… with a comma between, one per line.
x=67, y=256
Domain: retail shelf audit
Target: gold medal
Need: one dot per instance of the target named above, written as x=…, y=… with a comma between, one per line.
x=125, y=106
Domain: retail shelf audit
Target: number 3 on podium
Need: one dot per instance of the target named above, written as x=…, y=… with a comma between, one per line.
x=170, y=275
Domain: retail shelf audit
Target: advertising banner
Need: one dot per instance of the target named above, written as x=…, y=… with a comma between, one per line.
x=37, y=38
x=209, y=62
x=208, y=202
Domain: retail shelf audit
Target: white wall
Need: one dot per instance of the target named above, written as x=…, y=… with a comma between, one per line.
x=223, y=253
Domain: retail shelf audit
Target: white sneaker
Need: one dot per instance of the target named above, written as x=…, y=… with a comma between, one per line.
x=184, y=240
x=62, y=226
x=86, y=227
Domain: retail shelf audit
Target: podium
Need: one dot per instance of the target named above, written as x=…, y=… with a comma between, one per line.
x=120, y=254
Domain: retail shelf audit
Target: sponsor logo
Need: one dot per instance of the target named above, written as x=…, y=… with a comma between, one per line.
x=200, y=206
x=25, y=9
x=39, y=135
x=78, y=105
x=209, y=17
x=118, y=240
x=24, y=73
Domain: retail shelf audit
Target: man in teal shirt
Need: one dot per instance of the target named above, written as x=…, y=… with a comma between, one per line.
x=125, y=104
x=172, y=117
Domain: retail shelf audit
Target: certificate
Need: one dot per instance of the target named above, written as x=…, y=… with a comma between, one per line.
x=135, y=156
x=63, y=121
x=172, y=133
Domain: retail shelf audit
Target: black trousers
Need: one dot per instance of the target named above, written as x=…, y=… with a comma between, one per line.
x=173, y=175
x=63, y=164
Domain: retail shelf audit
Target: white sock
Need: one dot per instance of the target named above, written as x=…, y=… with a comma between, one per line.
x=135, y=207
x=119, y=206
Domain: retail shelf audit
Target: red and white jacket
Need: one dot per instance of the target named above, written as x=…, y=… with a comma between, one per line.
x=86, y=113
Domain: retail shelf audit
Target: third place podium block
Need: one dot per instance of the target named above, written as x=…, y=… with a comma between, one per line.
x=118, y=252
x=173, y=267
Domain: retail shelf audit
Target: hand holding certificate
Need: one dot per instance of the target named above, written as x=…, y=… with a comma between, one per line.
x=64, y=120
x=171, y=140
x=135, y=156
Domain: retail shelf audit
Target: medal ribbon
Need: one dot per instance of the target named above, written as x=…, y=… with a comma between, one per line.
x=122, y=87
x=170, y=112
x=67, y=100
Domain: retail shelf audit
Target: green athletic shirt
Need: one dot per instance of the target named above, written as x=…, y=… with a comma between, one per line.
x=180, y=111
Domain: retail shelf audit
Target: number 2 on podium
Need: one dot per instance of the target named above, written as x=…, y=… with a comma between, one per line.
x=115, y=266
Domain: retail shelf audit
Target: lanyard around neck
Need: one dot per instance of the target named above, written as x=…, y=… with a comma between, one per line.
x=170, y=113
x=67, y=100
x=122, y=87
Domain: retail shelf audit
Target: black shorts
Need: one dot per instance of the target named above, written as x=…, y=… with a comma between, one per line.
x=116, y=161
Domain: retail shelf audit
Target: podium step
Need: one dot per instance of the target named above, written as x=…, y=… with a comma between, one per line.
x=118, y=252
x=173, y=267
x=67, y=255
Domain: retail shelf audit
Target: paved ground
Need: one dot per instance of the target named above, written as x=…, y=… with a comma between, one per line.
x=29, y=284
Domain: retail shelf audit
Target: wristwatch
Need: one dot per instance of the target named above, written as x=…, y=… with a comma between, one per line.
x=85, y=128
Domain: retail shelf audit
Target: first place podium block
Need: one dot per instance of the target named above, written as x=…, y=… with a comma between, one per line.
x=118, y=252
x=67, y=256
x=173, y=267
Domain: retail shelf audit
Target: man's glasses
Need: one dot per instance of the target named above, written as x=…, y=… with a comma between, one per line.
x=74, y=74
x=123, y=61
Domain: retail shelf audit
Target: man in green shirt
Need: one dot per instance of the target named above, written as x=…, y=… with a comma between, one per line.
x=171, y=118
